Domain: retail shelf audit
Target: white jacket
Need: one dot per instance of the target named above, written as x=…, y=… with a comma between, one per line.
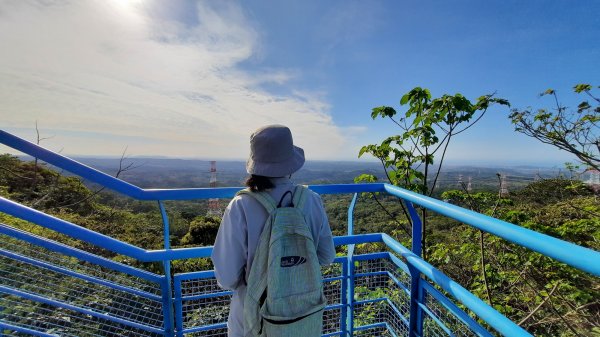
x=239, y=235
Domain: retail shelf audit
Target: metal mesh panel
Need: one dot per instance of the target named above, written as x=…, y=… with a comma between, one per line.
x=395, y=323
x=69, y=281
x=61, y=322
x=379, y=284
x=333, y=291
x=373, y=332
x=369, y=313
x=221, y=332
x=432, y=328
x=200, y=286
x=378, y=312
x=372, y=282
x=81, y=245
x=42, y=254
x=204, y=311
x=333, y=270
x=213, y=305
x=331, y=321
x=332, y=288
x=80, y=293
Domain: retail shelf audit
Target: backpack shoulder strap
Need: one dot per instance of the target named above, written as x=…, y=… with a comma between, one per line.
x=300, y=195
x=262, y=197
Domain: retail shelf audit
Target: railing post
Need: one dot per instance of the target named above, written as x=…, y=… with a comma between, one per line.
x=167, y=292
x=178, y=307
x=344, y=299
x=416, y=292
x=348, y=307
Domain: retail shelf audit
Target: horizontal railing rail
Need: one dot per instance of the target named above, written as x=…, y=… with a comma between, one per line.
x=78, y=253
x=113, y=245
x=138, y=193
x=579, y=257
x=476, y=305
x=576, y=256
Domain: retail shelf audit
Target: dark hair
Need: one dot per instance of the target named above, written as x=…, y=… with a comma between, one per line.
x=259, y=183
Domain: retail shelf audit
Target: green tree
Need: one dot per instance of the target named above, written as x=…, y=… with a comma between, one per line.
x=202, y=232
x=426, y=129
x=545, y=296
x=574, y=131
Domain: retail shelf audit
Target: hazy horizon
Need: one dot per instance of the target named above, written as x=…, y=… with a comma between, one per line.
x=447, y=163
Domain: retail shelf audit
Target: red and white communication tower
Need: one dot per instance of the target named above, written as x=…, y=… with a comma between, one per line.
x=503, y=185
x=214, y=209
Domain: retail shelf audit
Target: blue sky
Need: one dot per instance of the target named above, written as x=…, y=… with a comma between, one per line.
x=194, y=78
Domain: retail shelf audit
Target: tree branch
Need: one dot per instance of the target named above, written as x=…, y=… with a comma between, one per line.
x=536, y=309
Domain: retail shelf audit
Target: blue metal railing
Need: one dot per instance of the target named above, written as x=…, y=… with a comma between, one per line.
x=394, y=291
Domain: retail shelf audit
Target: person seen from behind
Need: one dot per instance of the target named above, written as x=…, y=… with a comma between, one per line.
x=273, y=159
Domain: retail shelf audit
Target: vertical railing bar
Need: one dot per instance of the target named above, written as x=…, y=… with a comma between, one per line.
x=178, y=306
x=344, y=307
x=167, y=289
x=348, y=312
x=416, y=293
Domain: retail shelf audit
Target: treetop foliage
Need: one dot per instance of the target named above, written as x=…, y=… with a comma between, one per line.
x=426, y=127
x=573, y=130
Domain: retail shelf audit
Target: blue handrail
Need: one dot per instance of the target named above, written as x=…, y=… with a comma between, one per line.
x=77, y=232
x=135, y=192
x=482, y=309
x=579, y=257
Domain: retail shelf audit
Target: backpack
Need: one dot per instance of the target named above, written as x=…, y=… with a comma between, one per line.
x=284, y=294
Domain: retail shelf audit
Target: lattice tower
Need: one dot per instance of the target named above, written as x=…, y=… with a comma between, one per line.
x=469, y=186
x=460, y=181
x=214, y=209
x=503, y=186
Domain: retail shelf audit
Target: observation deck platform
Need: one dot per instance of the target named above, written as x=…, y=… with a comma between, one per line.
x=50, y=288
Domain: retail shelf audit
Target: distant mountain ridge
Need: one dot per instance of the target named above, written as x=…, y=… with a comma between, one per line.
x=178, y=173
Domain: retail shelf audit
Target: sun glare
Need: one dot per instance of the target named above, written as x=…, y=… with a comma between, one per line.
x=127, y=4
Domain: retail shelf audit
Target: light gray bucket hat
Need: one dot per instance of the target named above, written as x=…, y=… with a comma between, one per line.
x=273, y=153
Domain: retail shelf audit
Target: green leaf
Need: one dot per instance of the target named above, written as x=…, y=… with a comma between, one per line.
x=579, y=88
x=548, y=92
x=382, y=111
x=365, y=178
x=583, y=106
x=404, y=99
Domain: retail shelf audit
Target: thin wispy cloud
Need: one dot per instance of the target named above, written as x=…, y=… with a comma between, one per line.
x=102, y=75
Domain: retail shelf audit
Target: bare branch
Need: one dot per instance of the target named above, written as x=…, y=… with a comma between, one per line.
x=437, y=173
x=471, y=124
x=15, y=174
x=393, y=217
x=536, y=309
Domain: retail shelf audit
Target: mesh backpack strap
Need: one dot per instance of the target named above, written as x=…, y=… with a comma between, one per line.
x=300, y=195
x=262, y=197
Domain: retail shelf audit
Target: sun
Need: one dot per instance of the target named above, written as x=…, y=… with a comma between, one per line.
x=127, y=4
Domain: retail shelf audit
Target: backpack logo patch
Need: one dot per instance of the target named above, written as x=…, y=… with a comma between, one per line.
x=290, y=261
